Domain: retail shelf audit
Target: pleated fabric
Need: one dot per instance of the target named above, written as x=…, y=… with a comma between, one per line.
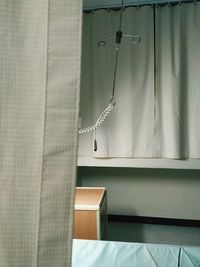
x=129, y=129
x=178, y=80
x=40, y=51
x=157, y=87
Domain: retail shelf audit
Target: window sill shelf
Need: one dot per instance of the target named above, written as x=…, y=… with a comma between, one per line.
x=140, y=163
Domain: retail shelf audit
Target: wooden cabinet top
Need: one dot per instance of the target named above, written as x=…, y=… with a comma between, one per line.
x=89, y=198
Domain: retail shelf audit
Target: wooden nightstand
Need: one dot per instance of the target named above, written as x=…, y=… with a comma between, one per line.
x=90, y=215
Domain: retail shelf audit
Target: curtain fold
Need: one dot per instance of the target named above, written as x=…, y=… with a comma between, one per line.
x=157, y=103
x=40, y=45
x=178, y=80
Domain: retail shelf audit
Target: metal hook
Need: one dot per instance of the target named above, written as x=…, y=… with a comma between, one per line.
x=136, y=39
x=101, y=44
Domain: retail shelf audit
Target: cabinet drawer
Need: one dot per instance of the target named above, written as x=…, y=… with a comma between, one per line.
x=90, y=215
x=85, y=224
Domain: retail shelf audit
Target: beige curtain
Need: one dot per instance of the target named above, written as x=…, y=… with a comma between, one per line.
x=155, y=115
x=178, y=80
x=129, y=129
x=39, y=98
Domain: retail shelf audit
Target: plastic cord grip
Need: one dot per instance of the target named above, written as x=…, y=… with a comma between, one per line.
x=118, y=37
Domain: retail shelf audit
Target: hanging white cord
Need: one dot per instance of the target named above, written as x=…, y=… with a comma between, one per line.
x=111, y=104
x=100, y=119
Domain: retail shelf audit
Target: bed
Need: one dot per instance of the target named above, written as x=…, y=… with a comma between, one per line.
x=90, y=253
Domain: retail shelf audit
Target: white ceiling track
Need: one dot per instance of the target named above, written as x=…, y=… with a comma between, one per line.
x=97, y=4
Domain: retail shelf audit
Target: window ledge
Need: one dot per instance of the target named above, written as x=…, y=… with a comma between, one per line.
x=140, y=163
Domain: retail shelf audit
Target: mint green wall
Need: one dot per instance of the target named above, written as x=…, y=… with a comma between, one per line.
x=147, y=192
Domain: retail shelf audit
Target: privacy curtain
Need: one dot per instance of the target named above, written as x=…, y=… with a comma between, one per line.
x=39, y=88
x=158, y=83
x=129, y=129
x=178, y=80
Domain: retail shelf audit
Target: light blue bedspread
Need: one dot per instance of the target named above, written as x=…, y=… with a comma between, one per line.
x=89, y=253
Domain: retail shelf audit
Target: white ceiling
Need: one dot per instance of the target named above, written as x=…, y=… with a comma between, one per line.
x=92, y=4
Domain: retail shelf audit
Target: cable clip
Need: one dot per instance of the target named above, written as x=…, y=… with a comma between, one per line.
x=118, y=37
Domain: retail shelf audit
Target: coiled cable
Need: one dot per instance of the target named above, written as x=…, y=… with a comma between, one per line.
x=100, y=119
x=111, y=104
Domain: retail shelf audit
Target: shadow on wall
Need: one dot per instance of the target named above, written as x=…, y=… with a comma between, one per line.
x=164, y=193
x=129, y=232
